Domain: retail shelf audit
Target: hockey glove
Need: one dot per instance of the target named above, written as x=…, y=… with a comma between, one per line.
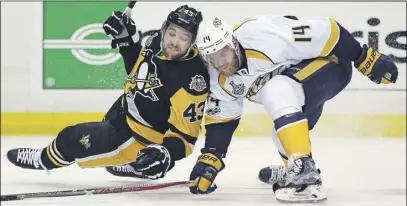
x=121, y=29
x=153, y=162
x=379, y=68
x=204, y=173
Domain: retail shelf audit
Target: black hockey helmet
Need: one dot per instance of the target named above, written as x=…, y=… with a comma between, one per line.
x=185, y=17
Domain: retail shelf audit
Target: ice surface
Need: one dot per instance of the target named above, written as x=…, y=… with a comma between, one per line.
x=356, y=172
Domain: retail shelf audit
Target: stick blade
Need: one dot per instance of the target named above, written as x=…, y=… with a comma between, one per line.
x=5, y=198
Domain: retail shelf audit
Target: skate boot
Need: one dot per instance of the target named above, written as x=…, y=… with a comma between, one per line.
x=273, y=174
x=124, y=171
x=302, y=183
x=27, y=158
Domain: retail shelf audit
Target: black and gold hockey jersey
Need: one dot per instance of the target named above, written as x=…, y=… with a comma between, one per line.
x=164, y=99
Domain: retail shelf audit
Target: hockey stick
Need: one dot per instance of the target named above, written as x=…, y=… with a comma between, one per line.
x=96, y=191
x=129, y=8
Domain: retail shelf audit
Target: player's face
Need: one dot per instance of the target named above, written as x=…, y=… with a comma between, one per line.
x=225, y=61
x=176, y=42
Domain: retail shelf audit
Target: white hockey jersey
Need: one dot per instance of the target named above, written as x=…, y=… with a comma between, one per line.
x=271, y=44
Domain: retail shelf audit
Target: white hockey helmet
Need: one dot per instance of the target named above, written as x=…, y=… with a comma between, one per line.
x=213, y=35
x=217, y=46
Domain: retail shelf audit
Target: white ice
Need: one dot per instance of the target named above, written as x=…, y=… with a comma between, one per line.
x=355, y=172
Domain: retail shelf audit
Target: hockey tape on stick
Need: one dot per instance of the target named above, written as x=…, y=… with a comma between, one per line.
x=129, y=8
x=96, y=191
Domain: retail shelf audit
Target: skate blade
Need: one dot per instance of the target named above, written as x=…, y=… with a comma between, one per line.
x=312, y=194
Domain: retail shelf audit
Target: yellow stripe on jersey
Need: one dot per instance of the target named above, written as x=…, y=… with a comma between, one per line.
x=53, y=160
x=214, y=120
x=187, y=111
x=128, y=84
x=54, y=146
x=254, y=54
x=137, y=64
x=311, y=68
x=333, y=39
x=193, y=51
x=294, y=138
x=237, y=26
x=333, y=58
x=144, y=131
x=188, y=149
x=127, y=152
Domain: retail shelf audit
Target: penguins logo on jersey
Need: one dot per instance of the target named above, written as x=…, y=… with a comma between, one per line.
x=197, y=83
x=145, y=79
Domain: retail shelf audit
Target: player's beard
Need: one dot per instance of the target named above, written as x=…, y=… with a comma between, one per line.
x=171, y=54
x=230, y=68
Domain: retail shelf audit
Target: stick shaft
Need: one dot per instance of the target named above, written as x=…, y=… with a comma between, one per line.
x=129, y=8
x=95, y=191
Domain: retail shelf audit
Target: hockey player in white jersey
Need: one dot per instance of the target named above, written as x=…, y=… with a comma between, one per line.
x=291, y=67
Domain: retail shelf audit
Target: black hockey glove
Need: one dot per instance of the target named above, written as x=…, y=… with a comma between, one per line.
x=121, y=29
x=379, y=68
x=153, y=162
x=204, y=173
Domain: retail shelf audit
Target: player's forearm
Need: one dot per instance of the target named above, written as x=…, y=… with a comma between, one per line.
x=176, y=147
x=178, y=144
x=219, y=136
x=347, y=47
x=130, y=55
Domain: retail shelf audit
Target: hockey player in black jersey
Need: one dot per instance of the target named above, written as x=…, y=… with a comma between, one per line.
x=156, y=122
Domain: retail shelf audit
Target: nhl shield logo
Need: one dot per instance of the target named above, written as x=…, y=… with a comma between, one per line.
x=198, y=83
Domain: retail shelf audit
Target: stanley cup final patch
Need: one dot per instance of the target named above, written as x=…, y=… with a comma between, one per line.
x=198, y=83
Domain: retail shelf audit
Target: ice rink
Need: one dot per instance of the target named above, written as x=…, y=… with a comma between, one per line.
x=355, y=172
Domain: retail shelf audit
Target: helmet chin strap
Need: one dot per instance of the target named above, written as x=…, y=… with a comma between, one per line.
x=187, y=52
x=238, y=52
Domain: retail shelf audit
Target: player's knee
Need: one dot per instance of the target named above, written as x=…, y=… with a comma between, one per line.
x=341, y=72
x=66, y=141
x=66, y=134
x=347, y=75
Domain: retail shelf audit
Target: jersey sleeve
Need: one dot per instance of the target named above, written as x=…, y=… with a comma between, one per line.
x=131, y=52
x=130, y=55
x=221, y=121
x=186, y=114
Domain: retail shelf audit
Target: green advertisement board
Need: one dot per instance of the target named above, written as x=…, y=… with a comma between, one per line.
x=77, y=53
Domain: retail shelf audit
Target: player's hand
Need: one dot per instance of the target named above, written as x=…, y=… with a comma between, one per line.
x=121, y=29
x=204, y=173
x=379, y=68
x=153, y=162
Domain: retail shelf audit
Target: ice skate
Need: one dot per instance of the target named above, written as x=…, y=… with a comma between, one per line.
x=302, y=183
x=124, y=171
x=27, y=158
x=272, y=174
